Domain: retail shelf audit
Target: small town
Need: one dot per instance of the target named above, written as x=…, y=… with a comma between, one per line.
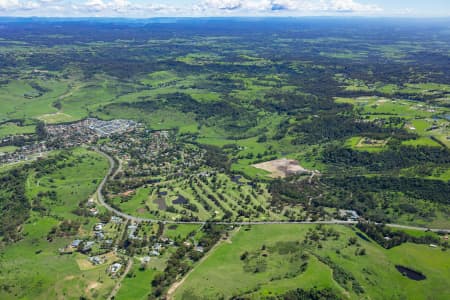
x=64, y=136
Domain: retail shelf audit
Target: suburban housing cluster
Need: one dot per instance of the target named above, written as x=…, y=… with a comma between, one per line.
x=66, y=136
x=87, y=131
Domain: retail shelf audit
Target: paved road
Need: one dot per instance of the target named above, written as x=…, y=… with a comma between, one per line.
x=118, y=170
x=101, y=199
x=418, y=228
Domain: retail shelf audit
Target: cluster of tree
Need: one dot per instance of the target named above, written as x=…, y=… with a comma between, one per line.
x=216, y=158
x=178, y=262
x=41, y=131
x=14, y=202
x=330, y=126
x=290, y=103
x=292, y=192
x=388, y=238
x=341, y=276
x=65, y=228
x=428, y=189
x=392, y=158
x=302, y=294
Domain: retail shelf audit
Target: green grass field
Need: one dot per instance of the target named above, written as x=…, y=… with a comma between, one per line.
x=7, y=149
x=70, y=187
x=32, y=268
x=137, y=285
x=19, y=100
x=180, y=231
x=419, y=118
x=223, y=274
x=8, y=129
x=357, y=143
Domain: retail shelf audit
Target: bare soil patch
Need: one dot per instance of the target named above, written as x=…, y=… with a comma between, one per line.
x=367, y=142
x=282, y=167
x=141, y=210
x=127, y=193
x=161, y=203
x=93, y=285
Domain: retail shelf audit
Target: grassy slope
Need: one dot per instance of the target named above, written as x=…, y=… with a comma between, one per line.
x=12, y=129
x=48, y=275
x=223, y=274
x=72, y=183
x=136, y=287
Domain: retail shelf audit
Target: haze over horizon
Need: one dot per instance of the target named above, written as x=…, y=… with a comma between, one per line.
x=222, y=8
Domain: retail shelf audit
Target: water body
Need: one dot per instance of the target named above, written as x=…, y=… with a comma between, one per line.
x=411, y=274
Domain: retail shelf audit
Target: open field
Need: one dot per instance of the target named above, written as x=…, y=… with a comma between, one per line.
x=220, y=274
x=7, y=149
x=8, y=129
x=180, y=231
x=32, y=268
x=137, y=284
x=29, y=99
x=39, y=271
x=57, y=117
x=73, y=182
x=364, y=144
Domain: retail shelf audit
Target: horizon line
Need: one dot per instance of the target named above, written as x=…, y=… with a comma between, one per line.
x=231, y=17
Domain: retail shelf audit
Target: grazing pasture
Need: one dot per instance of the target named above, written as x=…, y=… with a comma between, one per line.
x=228, y=270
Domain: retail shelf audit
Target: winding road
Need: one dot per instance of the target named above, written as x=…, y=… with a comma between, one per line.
x=101, y=200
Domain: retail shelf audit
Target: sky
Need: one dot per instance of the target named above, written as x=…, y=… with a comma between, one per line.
x=211, y=8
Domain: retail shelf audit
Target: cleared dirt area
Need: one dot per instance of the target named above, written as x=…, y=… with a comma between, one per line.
x=366, y=142
x=282, y=167
x=141, y=210
x=161, y=203
x=93, y=285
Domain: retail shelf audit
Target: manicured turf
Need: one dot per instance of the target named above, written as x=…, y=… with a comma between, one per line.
x=233, y=194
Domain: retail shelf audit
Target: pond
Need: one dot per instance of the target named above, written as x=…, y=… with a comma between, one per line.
x=411, y=274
